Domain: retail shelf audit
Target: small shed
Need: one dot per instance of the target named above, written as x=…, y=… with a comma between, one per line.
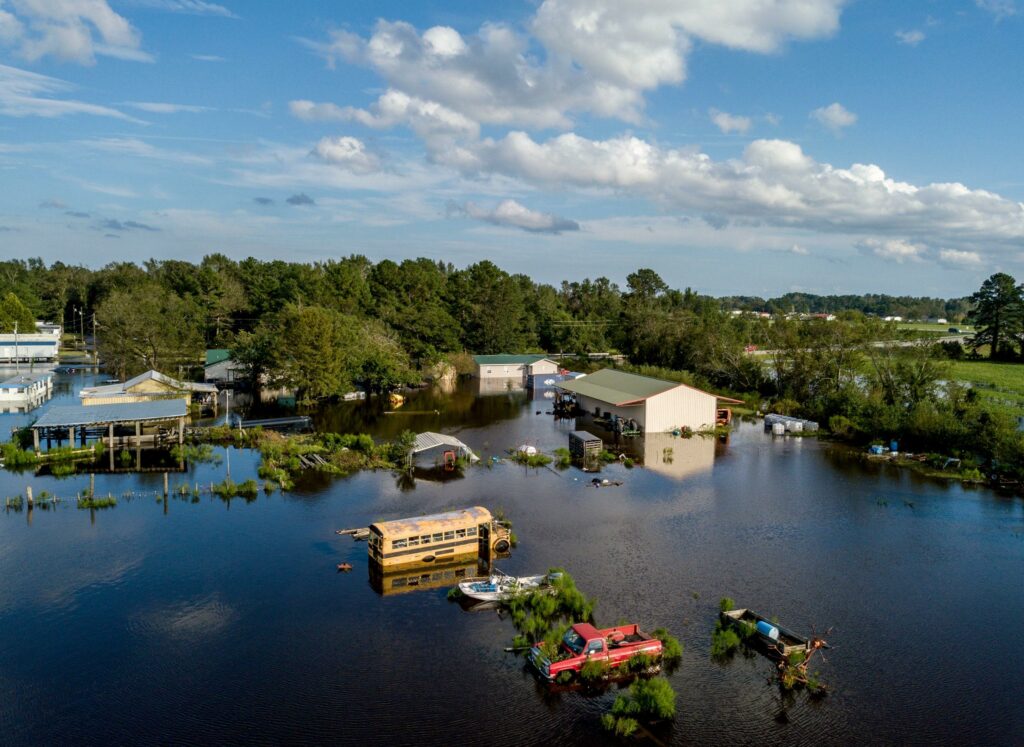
x=149, y=387
x=506, y=366
x=584, y=446
x=654, y=405
x=429, y=440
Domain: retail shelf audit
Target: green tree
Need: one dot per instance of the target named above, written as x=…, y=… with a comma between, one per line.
x=147, y=327
x=312, y=344
x=16, y=315
x=998, y=313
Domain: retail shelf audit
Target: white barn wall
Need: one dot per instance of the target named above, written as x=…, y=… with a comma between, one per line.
x=501, y=371
x=681, y=407
x=542, y=367
x=634, y=412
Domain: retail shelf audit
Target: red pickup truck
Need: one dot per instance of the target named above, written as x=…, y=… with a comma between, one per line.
x=583, y=642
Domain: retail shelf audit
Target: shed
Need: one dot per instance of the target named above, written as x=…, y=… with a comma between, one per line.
x=429, y=440
x=657, y=406
x=584, y=445
x=149, y=387
x=220, y=367
x=506, y=366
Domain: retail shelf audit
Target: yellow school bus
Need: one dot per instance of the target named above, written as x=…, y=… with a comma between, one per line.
x=447, y=537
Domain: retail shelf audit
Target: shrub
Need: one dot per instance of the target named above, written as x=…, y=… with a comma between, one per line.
x=723, y=641
x=593, y=670
x=671, y=648
x=726, y=603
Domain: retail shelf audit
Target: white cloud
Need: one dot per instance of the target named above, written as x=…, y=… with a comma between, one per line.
x=911, y=38
x=348, y=153
x=773, y=183
x=730, y=122
x=188, y=7
x=999, y=8
x=158, y=107
x=26, y=94
x=141, y=149
x=895, y=250
x=958, y=258
x=70, y=30
x=209, y=58
x=800, y=250
x=599, y=55
x=515, y=215
x=835, y=116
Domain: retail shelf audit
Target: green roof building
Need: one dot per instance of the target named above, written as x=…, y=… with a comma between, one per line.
x=514, y=367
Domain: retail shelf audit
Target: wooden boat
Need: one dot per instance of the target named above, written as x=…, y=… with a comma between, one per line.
x=499, y=587
x=778, y=640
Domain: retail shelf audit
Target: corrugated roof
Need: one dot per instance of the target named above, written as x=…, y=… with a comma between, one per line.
x=429, y=440
x=504, y=359
x=217, y=355
x=617, y=387
x=76, y=415
x=25, y=379
x=425, y=524
x=113, y=390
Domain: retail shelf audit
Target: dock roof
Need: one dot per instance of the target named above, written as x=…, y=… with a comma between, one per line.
x=71, y=416
x=505, y=359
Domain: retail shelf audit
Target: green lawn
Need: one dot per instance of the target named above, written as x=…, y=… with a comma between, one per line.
x=999, y=384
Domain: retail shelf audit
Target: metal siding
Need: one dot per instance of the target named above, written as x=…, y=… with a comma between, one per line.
x=635, y=412
x=680, y=407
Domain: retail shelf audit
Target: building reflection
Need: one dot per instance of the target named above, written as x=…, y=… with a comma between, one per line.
x=425, y=576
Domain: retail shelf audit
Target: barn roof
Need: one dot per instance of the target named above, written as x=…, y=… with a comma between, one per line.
x=621, y=388
x=504, y=359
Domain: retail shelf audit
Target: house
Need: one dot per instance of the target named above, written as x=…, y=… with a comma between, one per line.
x=148, y=387
x=504, y=366
x=25, y=391
x=654, y=405
x=32, y=347
x=220, y=368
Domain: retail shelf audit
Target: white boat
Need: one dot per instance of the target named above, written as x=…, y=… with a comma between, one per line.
x=499, y=587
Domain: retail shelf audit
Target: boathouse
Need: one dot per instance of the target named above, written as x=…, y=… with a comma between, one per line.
x=654, y=405
x=505, y=366
x=163, y=419
x=150, y=387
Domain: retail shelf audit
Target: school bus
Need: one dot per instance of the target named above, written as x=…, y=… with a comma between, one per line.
x=424, y=576
x=447, y=537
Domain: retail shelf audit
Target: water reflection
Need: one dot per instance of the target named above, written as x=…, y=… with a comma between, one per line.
x=424, y=576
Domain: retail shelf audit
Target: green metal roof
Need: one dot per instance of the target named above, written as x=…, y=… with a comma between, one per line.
x=217, y=355
x=617, y=387
x=503, y=359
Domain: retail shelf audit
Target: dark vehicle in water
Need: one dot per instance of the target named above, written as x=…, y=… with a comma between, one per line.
x=778, y=640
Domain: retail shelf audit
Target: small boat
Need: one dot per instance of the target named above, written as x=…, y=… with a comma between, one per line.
x=499, y=587
x=779, y=640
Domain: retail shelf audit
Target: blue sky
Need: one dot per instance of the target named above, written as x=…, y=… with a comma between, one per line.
x=752, y=146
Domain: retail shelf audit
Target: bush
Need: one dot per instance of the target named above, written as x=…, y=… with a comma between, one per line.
x=593, y=670
x=671, y=648
x=723, y=641
x=726, y=603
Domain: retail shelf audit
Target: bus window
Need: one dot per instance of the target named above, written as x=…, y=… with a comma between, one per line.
x=471, y=532
x=438, y=537
x=449, y=535
x=460, y=533
x=414, y=541
x=425, y=539
x=398, y=544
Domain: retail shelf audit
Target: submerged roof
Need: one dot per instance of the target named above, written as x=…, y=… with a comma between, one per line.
x=429, y=440
x=131, y=412
x=500, y=359
x=425, y=524
x=217, y=355
x=113, y=390
x=25, y=379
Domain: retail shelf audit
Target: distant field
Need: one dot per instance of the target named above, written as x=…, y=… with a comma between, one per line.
x=937, y=328
x=999, y=384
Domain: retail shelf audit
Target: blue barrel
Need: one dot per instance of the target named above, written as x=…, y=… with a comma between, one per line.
x=894, y=446
x=768, y=630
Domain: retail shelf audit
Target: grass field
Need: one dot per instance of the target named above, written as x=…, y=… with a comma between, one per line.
x=999, y=384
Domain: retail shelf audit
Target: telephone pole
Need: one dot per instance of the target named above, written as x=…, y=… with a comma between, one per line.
x=95, y=347
x=17, y=356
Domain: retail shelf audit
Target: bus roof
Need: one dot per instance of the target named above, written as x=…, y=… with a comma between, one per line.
x=426, y=524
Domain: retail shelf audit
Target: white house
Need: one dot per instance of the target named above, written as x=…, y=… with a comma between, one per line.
x=31, y=347
x=503, y=366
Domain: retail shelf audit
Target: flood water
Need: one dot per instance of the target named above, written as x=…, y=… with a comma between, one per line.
x=226, y=622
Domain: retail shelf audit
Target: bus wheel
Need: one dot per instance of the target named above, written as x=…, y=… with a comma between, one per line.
x=501, y=545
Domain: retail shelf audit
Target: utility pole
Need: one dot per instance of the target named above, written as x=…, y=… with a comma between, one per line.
x=17, y=357
x=95, y=346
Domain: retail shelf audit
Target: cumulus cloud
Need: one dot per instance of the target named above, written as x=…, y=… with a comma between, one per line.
x=959, y=259
x=835, y=116
x=301, y=199
x=69, y=30
x=800, y=250
x=600, y=55
x=515, y=215
x=263, y=201
x=774, y=182
x=26, y=94
x=895, y=250
x=729, y=122
x=348, y=153
x=911, y=38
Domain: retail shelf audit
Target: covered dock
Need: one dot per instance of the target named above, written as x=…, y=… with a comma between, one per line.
x=101, y=421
